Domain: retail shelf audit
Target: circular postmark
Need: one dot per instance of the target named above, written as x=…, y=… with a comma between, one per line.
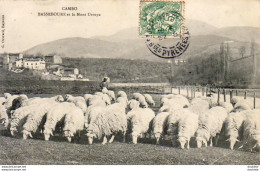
x=169, y=48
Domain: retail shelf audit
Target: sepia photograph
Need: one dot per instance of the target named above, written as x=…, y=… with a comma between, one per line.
x=129, y=82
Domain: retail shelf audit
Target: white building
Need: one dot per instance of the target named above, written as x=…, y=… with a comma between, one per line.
x=38, y=64
x=19, y=63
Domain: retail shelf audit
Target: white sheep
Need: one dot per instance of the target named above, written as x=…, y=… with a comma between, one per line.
x=19, y=116
x=109, y=123
x=7, y=95
x=122, y=100
x=172, y=124
x=95, y=99
x=133, y=104
x=105, y=98
x=228, y=106
x=174, y=100
x=210, y=125
x=38, y=100
x=73, y=123
x=78, y=101
x=235, y=99
x=110, y=93
x=170, y=106
x=139, y=97
x=9, y=101
x=121, y=94
x=2, y=101
x=167, y=97
x=92, y=112
x=233, y=127
x=211, y=100
x=140, y=119
x=136, y=96
x=87, y=97
x=18, y=102
x=251, y=130
x=198, y=106
x=36, y=119
x=159, y=124
x=242, y=105
x=149, y=99
x=56, y=116
x=4, y=120
x=98, y=93
x=187, y=126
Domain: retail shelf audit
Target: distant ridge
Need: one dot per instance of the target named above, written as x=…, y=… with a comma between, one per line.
x=126, y=44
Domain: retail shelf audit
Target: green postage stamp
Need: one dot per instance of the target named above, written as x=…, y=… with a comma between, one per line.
x=161, y=18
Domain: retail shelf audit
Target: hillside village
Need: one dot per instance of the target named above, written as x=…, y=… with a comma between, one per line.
x=50, y=66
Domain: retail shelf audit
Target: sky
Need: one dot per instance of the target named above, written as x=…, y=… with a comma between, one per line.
x=25, y=29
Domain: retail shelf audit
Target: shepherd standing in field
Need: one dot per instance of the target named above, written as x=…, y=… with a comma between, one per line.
x=104, y=83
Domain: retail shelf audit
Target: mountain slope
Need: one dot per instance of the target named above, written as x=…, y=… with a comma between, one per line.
x=126, y=43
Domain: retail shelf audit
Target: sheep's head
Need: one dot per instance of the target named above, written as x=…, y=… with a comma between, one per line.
x=144, y=105
x=23, y=97
x=91, y=135
x=106, y=99
x=59, y=98
x=182, y=141
x=133, y=104
x=47, y=134
x=13, y=131
x=232, y=142
x=4, y=120
x=68, y=134
x=104, y=90
x=7, y=95
x=157, y=137
x=26, y=134
x=67, y=97
x=201, y=141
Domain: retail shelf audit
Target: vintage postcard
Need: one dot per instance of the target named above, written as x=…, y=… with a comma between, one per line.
x=129, y=82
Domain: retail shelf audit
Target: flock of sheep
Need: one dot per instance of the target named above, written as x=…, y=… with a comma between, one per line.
x=102, y=115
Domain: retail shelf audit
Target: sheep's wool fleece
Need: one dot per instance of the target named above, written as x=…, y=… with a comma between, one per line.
x=159, y=122
x=140, y=119
x=74, y=121
x=233, y=123
x=57, y=113
x=20, y=114
x=188, y=124
x=110, y=122
x=251, y=126
x=217, y=116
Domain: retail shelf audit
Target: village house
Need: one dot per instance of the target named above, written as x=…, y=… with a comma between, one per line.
x=35, y=63
x=52, y=59
x=9, y=60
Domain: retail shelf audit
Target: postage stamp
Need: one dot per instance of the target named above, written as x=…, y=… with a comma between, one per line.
x=161, y=18
x=162, y=24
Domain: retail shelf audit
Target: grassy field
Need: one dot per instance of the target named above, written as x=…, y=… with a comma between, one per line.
x=57, y=151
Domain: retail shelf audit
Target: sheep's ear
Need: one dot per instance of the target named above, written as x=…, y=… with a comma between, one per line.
x=238, y=140
x=51, y=133
x=228, y=139
x=30, y=134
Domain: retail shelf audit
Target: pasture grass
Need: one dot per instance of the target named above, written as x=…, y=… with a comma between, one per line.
x=16, y=151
